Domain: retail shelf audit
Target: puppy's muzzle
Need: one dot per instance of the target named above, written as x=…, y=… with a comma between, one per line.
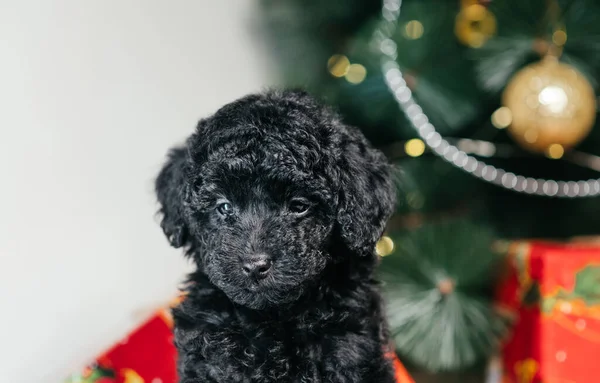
x=257, y=267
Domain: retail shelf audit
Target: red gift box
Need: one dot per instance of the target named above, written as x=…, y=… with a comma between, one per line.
x=554, y=292
x=148, y=355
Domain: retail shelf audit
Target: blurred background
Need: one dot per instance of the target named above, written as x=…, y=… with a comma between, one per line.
x=488, y=108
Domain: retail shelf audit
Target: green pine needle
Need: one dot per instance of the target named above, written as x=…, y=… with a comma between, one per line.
x=419, y=182
x=499, y=59
x=450, y=327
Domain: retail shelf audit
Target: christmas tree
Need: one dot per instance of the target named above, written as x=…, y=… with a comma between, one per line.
x=488, y=109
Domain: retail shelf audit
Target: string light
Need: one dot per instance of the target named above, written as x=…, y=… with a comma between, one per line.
x=338, y=65
x=559, y=37
x=502, y=118
x=385, y=246
x=356, y=73
x=414, y=30
x=555, y=151
x=414, y=147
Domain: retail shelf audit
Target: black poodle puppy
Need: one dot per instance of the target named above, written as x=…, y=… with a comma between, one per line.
x=279, y=204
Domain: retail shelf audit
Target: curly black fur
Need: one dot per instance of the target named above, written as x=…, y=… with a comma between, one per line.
x=309, y=195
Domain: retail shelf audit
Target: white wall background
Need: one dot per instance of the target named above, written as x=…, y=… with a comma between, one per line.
x=92, y=93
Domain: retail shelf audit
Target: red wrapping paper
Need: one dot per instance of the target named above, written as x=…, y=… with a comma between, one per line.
x=554, y=292
x=146, y=355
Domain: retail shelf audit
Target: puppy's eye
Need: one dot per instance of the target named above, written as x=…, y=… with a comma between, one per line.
x=225, y=208
x=299, y=205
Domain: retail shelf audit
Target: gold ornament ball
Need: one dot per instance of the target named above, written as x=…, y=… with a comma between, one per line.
x=474, y=25
x=551, y=105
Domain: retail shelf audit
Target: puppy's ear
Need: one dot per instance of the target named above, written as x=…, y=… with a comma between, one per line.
x=367, y=193
x=170, y=189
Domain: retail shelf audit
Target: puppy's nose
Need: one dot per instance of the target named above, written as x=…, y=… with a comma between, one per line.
x=257, y=267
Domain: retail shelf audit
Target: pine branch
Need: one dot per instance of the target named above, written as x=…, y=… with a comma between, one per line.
x=437, y=285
